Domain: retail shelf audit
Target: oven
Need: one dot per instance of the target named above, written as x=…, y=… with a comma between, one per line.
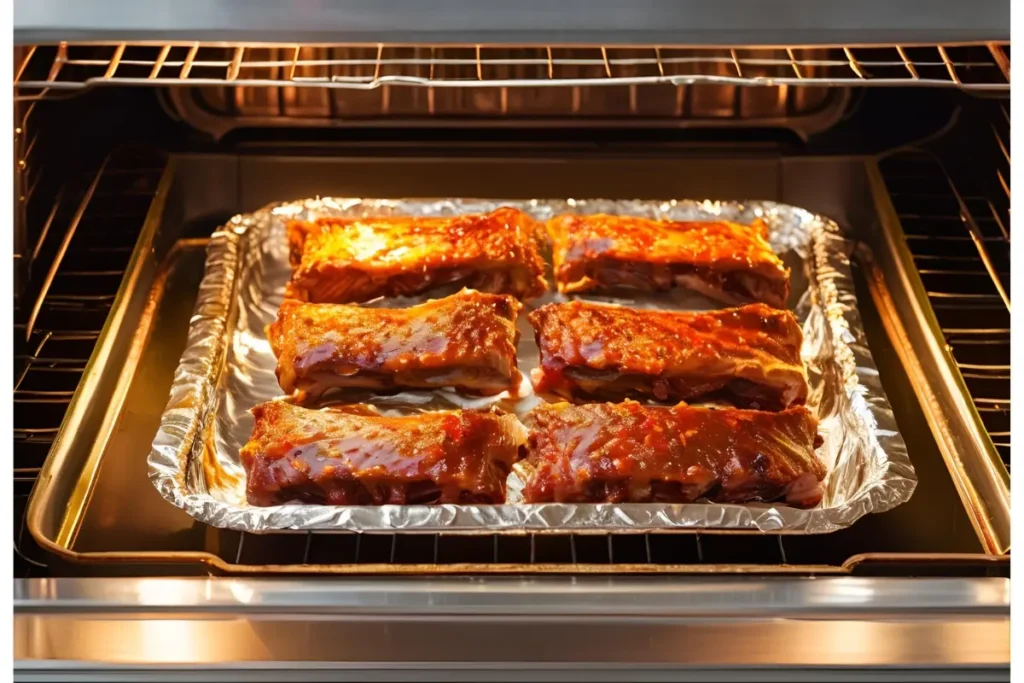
x=139, y=133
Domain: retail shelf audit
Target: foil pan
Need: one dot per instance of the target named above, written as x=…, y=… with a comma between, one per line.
x=227, y=368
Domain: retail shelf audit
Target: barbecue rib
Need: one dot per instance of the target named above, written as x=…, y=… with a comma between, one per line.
x=354, y=456
x=749, y=356
x=346, y=260
x=467, y=341
x=726, y=261
x=627, y=452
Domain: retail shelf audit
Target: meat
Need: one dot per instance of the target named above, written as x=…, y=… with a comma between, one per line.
x=354, y=456
x=467, y=341
x=748, y=356
x=725, y=261
x=346, y=260
x=627, y=452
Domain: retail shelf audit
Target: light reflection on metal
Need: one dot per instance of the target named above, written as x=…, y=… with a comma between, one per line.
x=677, y=624
x=791, y=65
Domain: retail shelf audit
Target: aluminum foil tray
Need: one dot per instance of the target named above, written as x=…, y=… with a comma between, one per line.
x=227, y=368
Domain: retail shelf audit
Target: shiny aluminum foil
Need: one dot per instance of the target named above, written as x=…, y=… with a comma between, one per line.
x=227, y=368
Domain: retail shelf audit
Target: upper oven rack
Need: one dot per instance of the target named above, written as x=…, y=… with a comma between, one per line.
x=55, y=70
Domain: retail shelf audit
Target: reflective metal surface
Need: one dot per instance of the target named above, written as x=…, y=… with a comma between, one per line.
x=955, y=223
x=979, y=474
x=661, y=22
x=536, y=597
x=805, y=110
x=454, y=76
x=417, y=629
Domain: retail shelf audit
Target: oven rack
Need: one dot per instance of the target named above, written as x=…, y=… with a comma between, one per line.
x=53, y=70
x=956, y=227
x=240, y=553
x=82, y=233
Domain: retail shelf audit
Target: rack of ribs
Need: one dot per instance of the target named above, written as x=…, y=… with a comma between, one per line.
x=725, y=261
x=747, y=356
x=348, y=260
x=628, y=452
x=467, y=341
x=352, y=455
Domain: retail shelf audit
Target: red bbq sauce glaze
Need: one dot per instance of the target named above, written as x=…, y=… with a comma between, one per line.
x=627, y=452
x=594, y=349
x=344, y=260
x=352, y=455
x=467, y=340
x=600, y=251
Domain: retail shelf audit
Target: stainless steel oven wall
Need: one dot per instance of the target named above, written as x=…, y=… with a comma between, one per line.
x=81, y=513
x=465, y=22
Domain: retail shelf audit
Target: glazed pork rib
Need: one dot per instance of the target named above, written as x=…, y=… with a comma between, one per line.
x=747, y=356
x=347, y=260
x=627, y=452
x=467, y=341
x=725, y=261
x=354, y=456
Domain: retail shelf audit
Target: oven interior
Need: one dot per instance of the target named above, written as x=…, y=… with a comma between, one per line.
x=129, y=156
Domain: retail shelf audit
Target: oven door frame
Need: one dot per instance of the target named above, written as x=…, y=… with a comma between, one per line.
x=511, y=628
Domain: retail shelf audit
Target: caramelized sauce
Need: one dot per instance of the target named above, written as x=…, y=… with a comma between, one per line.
x=627, y=452
x=344, y=456
x=467, y=340
x=343, y=260
x=727, y=261
x=749, y=355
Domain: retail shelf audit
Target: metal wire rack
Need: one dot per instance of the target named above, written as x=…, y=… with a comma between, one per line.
x=958, y=234
x=530, y=549
x=395, y=553
x=65, y=310
x=49, y=70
